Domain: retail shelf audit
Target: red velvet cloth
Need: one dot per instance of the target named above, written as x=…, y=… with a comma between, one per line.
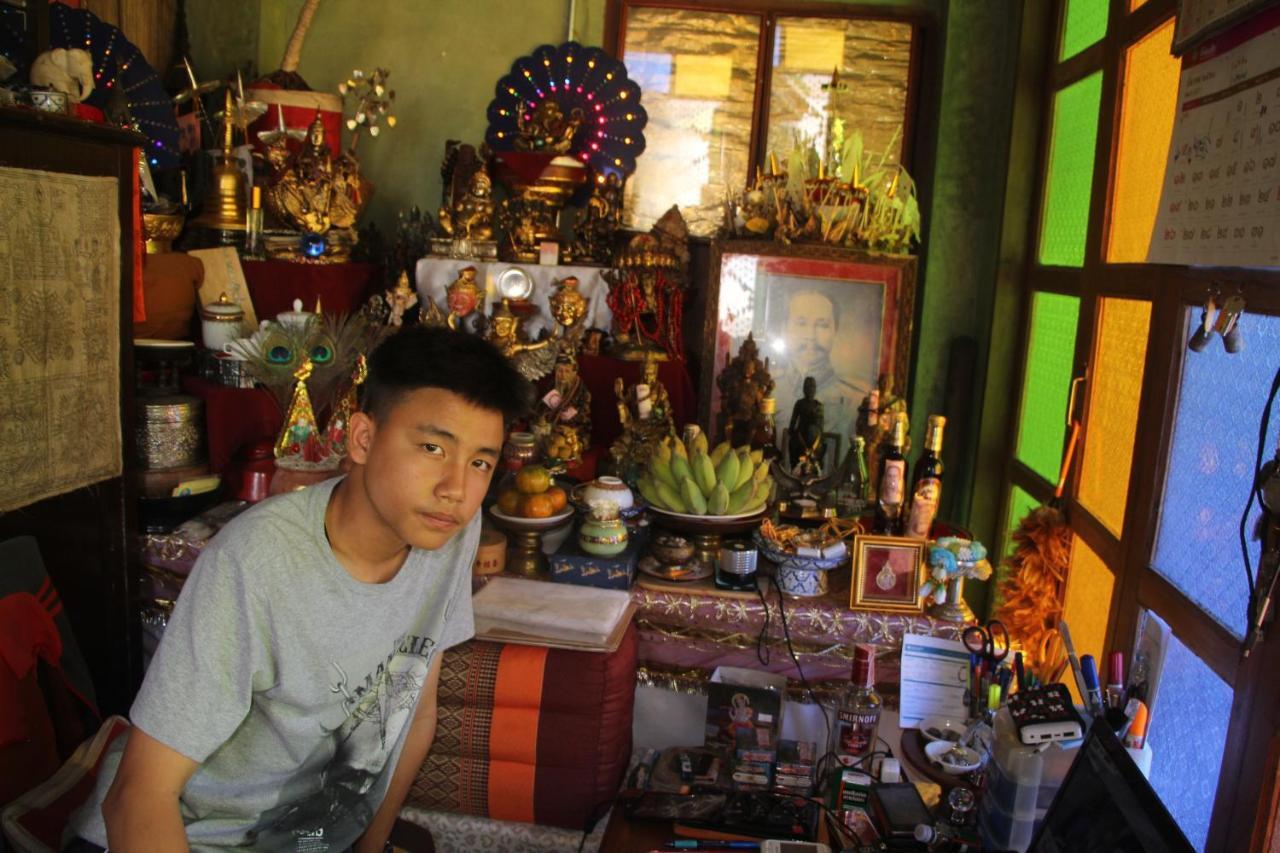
x=341, y=288
x=234, y=417
x=600, y=371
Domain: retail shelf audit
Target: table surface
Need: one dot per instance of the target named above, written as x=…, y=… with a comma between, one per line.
x=626, y=836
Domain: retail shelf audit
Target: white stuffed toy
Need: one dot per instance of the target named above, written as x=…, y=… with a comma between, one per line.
x=63, y=70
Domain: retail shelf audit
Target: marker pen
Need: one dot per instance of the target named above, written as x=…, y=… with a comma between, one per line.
x=1115, y=680
x=1093, y=695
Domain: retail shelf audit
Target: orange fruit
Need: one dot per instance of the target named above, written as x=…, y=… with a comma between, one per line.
x=537, y=506
x=533, y=480
x=509, y=502
x=559, y=499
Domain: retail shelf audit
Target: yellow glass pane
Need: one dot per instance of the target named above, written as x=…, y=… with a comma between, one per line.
x=1111, y=421
x=1146, y=124
x=1088, y=604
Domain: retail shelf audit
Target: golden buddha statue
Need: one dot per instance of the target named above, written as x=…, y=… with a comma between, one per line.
x=644, y=410
x=547, y=129
x=472, y=215
x=463, y=296
x=313, y=191
x=568, y=308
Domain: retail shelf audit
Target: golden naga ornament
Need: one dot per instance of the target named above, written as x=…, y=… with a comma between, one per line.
x=534, y=359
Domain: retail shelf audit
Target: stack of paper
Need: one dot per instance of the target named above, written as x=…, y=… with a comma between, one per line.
x=551, y=614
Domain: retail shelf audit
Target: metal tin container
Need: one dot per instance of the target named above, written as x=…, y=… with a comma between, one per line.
x=170, y=432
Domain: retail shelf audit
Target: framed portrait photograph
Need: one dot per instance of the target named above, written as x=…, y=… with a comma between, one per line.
x=840, y=316
x=887, y=573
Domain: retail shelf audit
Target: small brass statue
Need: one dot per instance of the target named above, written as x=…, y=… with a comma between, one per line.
x=744, y=384
x=311, y=190
x=563, y=422
x=463, y=296
x=471, y=217
x=401, y=300
x=600, y=220
x=644, y=410
x=534, y=359
x=547, y=129
x=569, y=307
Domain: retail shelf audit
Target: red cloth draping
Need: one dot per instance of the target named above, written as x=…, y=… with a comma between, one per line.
x=341, y=288
x=234, y=417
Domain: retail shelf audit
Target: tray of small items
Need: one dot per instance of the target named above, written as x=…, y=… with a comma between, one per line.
x=803, y=557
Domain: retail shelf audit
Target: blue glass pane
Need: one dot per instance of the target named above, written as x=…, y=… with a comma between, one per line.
x=1215, y=436
x=1188, y=733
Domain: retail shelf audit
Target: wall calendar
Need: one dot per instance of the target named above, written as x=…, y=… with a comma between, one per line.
x=1220, y=203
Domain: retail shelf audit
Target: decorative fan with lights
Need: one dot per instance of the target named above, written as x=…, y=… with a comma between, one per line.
x=118, y=65
x=584, y=82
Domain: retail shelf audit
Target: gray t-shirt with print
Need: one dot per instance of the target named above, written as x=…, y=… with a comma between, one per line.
x=290, y=682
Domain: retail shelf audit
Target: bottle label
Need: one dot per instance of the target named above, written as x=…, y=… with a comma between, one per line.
x=891, y=486
x=924, y=508
x=857, y=733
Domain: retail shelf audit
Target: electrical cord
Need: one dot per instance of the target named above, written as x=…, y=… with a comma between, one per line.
x=1255, y=492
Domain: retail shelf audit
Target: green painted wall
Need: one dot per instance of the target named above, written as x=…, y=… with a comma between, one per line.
x=224, y=36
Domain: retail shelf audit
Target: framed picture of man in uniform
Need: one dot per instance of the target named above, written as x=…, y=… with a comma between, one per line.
x=840, y=316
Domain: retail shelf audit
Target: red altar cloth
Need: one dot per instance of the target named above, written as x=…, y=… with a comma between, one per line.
x=599, y=372
x=234, y=417
x=342, y=288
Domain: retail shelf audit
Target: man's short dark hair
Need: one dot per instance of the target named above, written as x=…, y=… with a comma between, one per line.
x=434, y=357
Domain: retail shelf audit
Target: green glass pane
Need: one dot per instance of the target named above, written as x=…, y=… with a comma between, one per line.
x=1070, y=178
x=1050, y=352
x=1020, y=506
x=1086, y=23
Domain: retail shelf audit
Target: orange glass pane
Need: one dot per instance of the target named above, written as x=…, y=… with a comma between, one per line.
x=1134, y=4
x=1111, y=421
x=1146, y=124
x=1088, y=604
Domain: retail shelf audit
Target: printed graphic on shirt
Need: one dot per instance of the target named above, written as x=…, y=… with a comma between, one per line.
x=315, y=812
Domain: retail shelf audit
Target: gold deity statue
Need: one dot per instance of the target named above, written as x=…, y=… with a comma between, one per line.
x=563, y=419
x=534, y=359
x=463, y=296
x=569, y=307
x=471, y=217
x=644, y=410
x=312, y=190
x=547, y=129
x=744, y=385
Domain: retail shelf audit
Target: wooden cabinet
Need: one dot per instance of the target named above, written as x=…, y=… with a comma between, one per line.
x=88, y=536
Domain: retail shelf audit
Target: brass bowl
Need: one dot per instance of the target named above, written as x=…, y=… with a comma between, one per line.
x=161, y=229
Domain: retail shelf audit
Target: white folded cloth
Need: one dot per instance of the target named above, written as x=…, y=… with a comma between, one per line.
x=550, y=610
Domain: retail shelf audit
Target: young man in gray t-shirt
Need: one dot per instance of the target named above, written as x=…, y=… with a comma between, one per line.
x=293, y=697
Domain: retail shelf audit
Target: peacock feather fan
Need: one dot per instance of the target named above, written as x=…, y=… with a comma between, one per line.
x=332, y=343
x=611, y=136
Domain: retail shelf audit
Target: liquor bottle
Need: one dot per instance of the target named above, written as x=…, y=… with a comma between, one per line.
x=893, y=483
x=926, y=491
x=766, y=436
x=853, y=490
x=858, y=718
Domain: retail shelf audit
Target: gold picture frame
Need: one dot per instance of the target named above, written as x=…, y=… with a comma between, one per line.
x=882, y=580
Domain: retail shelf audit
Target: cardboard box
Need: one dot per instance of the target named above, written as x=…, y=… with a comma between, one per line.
x=744, y=709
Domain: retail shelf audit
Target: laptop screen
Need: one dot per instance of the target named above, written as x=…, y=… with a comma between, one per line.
x=1106, y=804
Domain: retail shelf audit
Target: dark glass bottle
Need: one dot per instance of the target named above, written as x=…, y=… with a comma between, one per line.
x=853, y=494
x=893, y=483
x=926, y=490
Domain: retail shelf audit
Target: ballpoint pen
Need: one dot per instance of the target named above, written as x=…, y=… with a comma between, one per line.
x=711, y=844
x=1072, y=659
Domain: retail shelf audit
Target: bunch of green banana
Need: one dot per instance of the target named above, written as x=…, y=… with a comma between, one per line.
x=688, y=479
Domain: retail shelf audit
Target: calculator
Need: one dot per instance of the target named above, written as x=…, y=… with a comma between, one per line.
x=1045, y=714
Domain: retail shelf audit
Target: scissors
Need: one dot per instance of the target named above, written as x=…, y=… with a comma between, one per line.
x=990, y=641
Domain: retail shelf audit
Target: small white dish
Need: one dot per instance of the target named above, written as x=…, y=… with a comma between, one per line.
x=520, y=522
x=954, y=760
x=942, y=728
